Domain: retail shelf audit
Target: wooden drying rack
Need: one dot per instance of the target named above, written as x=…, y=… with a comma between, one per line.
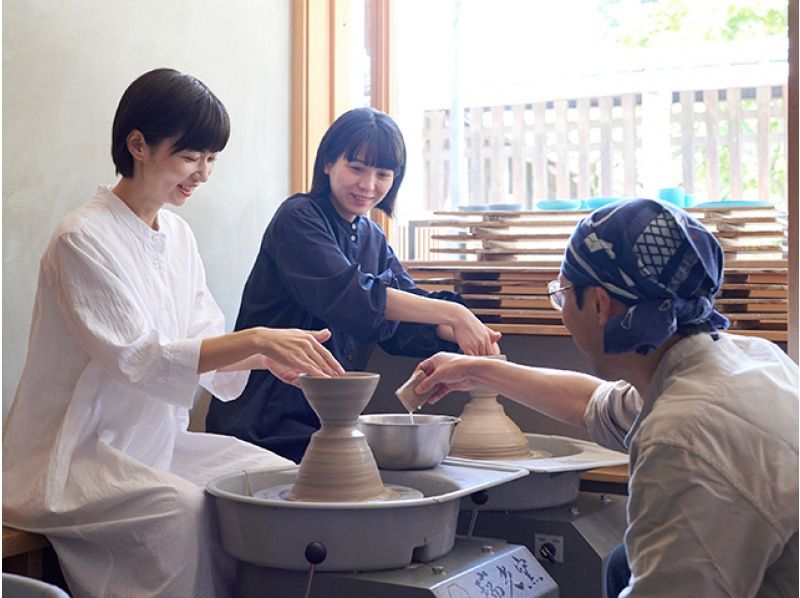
x=507, y=259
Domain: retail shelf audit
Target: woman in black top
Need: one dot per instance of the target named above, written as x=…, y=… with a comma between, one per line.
x=324, y=264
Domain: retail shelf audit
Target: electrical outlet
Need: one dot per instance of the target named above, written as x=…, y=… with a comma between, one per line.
x=549, y=548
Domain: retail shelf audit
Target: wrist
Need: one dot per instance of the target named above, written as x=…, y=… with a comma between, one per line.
x=259, y=340
x=485, y=371
x=477, y=371
x=454, y=314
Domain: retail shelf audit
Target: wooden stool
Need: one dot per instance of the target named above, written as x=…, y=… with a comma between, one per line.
x=22, y=552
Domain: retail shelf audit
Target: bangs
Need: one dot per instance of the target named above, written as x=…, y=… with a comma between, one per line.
x=207, y=129
x=378, y=148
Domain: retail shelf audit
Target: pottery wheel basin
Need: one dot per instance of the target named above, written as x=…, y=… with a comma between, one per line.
x=358, y=536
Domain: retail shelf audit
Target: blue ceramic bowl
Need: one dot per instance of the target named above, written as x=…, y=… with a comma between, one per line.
x=598, y=202
x=558, y=204
x=734, y=204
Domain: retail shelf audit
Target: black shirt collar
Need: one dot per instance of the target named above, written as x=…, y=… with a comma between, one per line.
x=326, y=203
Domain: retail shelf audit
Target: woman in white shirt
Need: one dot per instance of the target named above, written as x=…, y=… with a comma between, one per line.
x=96, y=452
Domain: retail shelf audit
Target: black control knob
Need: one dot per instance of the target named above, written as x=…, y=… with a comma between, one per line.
x=316, y=553
x=548, y=552
x=480, y=497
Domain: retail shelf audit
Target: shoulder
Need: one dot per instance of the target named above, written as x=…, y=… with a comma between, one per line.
x=85, y=223
x=94, y=213
x=735, y=394
x=298, y=206
x=300, y=212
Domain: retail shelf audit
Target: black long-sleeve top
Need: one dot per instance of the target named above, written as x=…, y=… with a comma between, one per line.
x=317, y=270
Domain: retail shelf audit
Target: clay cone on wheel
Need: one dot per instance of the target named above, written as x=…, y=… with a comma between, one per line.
x=485, y=431
x=338, y=465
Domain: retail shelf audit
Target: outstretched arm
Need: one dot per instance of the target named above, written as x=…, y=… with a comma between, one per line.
x=455, y=321
x=560, y=394
x=287, y=352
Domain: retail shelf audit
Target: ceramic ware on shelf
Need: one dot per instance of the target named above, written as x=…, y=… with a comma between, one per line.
x=673, y=195
x=594, y=203
x=734, y=204
x=558, y=204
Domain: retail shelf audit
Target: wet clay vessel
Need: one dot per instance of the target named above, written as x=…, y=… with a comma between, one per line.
x=485, y=431
x=338, y=464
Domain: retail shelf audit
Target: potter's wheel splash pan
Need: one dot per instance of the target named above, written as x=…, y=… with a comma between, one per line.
x=358, y=536
x=554, y=469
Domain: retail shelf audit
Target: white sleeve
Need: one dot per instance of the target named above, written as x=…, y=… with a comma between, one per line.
x=207, y=320
x=109, y=325
x=691, y=532
x=610, y=413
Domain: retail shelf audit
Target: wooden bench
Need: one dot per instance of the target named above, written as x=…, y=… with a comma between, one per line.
x=23, y=552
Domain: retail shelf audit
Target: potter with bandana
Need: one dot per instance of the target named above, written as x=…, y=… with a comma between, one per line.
x=708, y=418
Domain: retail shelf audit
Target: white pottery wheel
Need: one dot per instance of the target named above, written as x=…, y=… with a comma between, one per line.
x=554, y=475
x=362, y=536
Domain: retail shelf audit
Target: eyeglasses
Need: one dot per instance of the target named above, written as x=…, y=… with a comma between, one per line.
x=556, y=294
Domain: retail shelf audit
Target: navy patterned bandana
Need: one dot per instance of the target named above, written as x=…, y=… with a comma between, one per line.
x=656, y=259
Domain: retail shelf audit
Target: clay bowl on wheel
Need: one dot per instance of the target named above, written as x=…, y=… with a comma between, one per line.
x=397, y=443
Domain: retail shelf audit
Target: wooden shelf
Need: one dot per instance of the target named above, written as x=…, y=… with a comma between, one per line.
x=512, y=298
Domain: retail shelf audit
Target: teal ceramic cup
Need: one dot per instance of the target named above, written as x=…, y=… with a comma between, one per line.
x=674, y=195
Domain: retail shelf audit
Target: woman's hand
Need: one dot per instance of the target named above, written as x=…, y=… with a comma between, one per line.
x=473, y=336
x=284, y=373
x=290, y=352
x=447, y=372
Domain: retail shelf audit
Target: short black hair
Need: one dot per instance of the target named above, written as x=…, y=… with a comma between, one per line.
x=165, y=103
x=578, y=290
x=364, y=134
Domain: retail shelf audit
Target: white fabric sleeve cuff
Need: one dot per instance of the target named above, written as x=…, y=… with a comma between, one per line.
x=225, y=386
x=180, y=379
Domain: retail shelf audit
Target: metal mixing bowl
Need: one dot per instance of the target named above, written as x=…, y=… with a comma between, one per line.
x=399, y=444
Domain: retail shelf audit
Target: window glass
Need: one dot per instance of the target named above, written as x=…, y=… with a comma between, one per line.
x=589, y=99
x=359, y=67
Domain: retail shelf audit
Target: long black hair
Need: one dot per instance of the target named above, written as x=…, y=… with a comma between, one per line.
x=364, y=134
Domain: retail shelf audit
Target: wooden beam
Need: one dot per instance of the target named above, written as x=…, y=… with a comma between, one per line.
x=379, y=39
x=320, y=79
x=792, y=176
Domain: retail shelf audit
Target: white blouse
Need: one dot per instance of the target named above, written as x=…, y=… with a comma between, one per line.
x=101, y=409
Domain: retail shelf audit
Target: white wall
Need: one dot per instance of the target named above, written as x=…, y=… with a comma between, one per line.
x=65, y=66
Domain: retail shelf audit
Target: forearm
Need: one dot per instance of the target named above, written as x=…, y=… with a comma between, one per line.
x=408, y=307
x=236, y=351
x=254, y=362
x=560, y=394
